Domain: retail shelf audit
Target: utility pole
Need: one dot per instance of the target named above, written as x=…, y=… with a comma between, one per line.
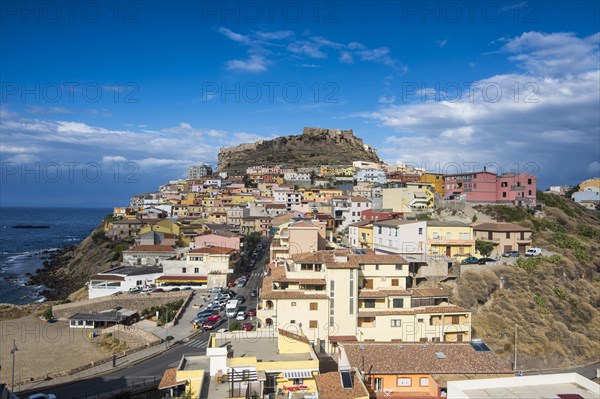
x=516, y=335
x=166, y=330
x=12, y=352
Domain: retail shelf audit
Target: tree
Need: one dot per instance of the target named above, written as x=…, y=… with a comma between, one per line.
x=188, y=394
x=474, y=219
x=485, y=248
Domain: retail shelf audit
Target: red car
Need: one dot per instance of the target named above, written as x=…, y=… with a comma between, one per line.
x=252, y=312
x=247, y=327
x=214, y=318
x=231, y=284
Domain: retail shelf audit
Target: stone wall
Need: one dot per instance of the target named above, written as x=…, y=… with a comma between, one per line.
x=136, y=302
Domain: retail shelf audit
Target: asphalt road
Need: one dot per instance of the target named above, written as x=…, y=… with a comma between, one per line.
x=150, y=371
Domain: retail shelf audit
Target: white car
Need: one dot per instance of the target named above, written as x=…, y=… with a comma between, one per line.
x=533, y=252
x=241, y=315
x=42, y=396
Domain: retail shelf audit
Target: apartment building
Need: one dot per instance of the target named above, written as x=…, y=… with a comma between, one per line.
x=369, y=175
x=348, y=210
x=506, y=237
x=216, y=263
x=357, y=295
x=298, y=237
x=408, y=197
x=450, y=239
x=397, y=236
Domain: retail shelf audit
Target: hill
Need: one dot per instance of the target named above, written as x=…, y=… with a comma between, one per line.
x=554, y=300
x=314, y=147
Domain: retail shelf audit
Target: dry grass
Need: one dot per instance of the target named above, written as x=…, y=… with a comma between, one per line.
x=554, y=301
x=112, y=344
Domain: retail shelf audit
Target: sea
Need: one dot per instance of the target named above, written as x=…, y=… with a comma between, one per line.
x=24, y=250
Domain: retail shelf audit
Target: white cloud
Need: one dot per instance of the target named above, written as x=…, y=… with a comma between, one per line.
x=113, y=158
x=442, y=43
x=261, y=45
x=594, y=168
x=552, y=116
x=254, y=64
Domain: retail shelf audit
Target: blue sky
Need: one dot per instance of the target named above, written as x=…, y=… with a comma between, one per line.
x=136, y=91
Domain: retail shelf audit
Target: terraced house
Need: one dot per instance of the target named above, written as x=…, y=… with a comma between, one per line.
x=357, y=295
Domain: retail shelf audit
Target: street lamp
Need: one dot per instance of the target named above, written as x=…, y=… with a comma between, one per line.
x=12, y=352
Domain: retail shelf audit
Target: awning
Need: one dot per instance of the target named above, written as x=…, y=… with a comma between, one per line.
x=290, y=375
x=181, y=279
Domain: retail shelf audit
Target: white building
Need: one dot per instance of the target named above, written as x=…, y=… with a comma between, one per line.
x=122, y=279
x=148, y=255
x=566, y=385
x=406, y=237
x=370, y=175
x=347, y=210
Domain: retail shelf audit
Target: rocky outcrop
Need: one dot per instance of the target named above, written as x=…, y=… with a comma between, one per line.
x=315, y=146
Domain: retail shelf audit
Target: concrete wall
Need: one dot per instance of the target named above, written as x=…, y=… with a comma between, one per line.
x=136, y=302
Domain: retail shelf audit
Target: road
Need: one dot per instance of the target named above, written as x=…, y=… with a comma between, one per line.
x=150, y=371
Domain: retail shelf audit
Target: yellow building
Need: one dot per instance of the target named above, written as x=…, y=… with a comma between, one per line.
x=590, y=183
x=435, y=179
x=409, y=197
x=188, y=376
x=239, y=199
x=360, y=235
x=450, y=239
x=164, y=226
x=265, y=361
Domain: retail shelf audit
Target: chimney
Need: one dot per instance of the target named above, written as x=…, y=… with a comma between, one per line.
x=485, y=168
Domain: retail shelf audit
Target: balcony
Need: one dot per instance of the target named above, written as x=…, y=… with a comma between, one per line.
x=440, y=241
x=517, y=188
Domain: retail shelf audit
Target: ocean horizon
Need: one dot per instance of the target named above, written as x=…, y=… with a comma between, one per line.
x=24, y=250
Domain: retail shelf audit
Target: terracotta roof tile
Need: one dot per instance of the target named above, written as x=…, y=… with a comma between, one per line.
x=416, y=358
x=329, y=386
x=169, y=379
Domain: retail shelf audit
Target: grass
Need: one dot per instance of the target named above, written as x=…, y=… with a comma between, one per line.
x=554, y=300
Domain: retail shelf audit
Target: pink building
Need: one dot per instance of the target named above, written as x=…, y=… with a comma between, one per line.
x=487, y=187
x=516, y=188
x=218, y=239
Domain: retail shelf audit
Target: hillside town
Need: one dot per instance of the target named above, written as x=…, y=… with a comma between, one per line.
x=318, y=282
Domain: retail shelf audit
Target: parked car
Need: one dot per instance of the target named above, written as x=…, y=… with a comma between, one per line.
x=533, y=252
x=42, y=396
x=222, y=330
x=231, y=284
x=158, y=290
x=242, y=284
x=175, y=289
x=247, y=327
x=251, y=312
x=215, y=289
x=470, y=261
x=483, y=261
x=241, y=315
x=253, y=293
x=209, y=325
x=241, y=298
x=511, y=254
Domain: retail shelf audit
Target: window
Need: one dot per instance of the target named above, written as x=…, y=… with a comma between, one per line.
x=395, y=282
x=331, y=285
x=490, y=235
x=528, y=181
x=300, y=381
x=398, y=303
x=312, y=324
x=508, y=234
x=369, y=303
x=420, y=231
x=455, y=319
x=395, y=323
x=419, y=320
x=292, y=321
x=379, y=229
x=376, y=267
x=403, y=382
x=529, y=192
x=398, y=267
x=390, y=243
x=196, y=270
x=293, y=303
x=522, y=235
x=424, y=382
x=314, y=306
x=504, y=195
x=351, y=306
x=183, y=270
x=504, y=184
